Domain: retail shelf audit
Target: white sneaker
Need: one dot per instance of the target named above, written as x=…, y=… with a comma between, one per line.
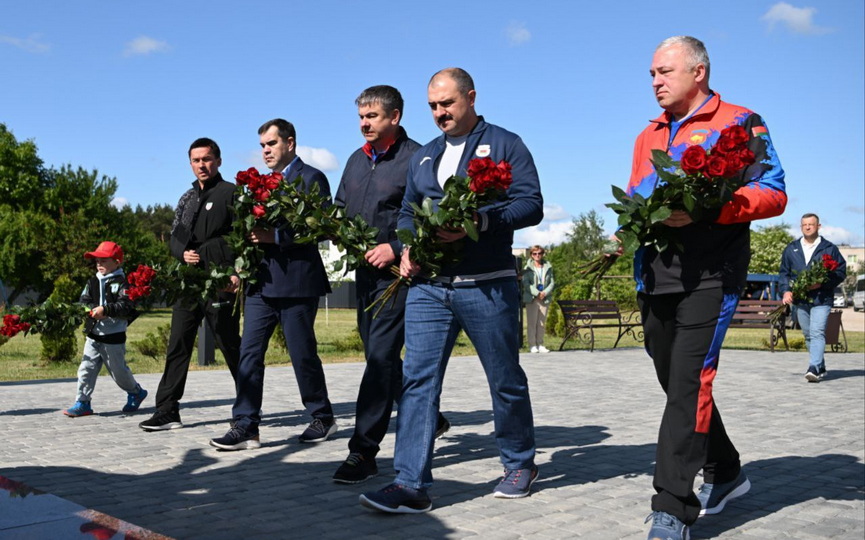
x=534, y=350
x=542, y=349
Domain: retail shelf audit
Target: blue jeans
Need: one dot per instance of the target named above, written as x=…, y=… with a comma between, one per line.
x=813, y=319
x=489, y=314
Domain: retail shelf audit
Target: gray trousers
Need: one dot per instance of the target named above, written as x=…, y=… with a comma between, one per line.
x=113, y=356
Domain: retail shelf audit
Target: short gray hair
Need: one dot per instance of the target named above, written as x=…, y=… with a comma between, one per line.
x=695, y=48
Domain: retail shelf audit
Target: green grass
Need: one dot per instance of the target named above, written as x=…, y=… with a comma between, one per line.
x=19, y=357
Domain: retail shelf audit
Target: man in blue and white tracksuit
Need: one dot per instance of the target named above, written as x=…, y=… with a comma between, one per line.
x=479, y=294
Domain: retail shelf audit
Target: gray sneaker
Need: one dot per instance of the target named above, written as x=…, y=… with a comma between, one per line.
x=667, y=527
x=516, y=483
x=713, y=497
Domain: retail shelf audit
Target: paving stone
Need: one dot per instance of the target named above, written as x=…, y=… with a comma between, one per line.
x=596, y=447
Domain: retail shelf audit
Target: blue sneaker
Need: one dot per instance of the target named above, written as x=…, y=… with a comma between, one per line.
x=713, y=497
x=133, y=401
x=667, y=527
x=81, y=408
x=397, y=499
x=516, y=483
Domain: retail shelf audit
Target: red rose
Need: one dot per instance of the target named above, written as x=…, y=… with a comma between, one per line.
x=242, y=178
x=725, y=145
x=737, y=134
x=272, y=180
x=693, y=159
x=716, y=166
x=11, y=320
x=259, y=210
x=505, y=178
x=486, y=174
x=261, y=194
x=746, y=156
x=829, y=263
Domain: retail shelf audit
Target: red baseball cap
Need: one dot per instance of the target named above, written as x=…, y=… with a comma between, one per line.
x=108, y=250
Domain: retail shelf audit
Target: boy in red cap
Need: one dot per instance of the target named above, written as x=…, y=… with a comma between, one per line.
x=111, y=311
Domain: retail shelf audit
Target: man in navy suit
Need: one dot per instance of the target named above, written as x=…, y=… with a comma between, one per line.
x=289, y=282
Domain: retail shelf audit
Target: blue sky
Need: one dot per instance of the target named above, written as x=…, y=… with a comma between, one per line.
x=124, y=87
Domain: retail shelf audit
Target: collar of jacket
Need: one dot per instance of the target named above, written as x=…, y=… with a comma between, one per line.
x=207, y=184
x=708, y=109
x=401, y=136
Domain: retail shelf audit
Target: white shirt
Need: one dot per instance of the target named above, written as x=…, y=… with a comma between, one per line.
x=450, y=160
x=809, y=249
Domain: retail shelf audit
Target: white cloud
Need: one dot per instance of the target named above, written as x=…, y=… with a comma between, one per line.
x=143, y=45
x=320, y=158
x=555, y=212
x=798, y=20
x=31, y=44
x=517, y=33
x=119, y=202
x=836, y=235
x=839, y=235
x=545, y=234
x=253, y=159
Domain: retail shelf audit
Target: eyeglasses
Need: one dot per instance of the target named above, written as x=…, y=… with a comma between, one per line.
x=536, y=253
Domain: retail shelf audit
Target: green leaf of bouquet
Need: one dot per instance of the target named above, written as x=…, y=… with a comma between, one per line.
x=471, y=230
x=688, y=201
x=619, y=193
x=662, y=160
x=660, y=215
x=427, y=207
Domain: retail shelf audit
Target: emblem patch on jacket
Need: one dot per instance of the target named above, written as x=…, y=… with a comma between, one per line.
x=208, y=206
x=483, y=150
x=114, y=288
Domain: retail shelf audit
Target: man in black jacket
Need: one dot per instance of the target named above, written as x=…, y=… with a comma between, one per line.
x=203, y=217
x=372, y=186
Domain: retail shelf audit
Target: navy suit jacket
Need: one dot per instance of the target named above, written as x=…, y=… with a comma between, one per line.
x=290, y=270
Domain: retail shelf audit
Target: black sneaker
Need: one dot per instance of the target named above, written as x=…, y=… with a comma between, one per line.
x=237, y=439
x=397, y=499
x=318, y=431
x=442, y=426
x=161, y=421
x=355, y=469
x=813, y=374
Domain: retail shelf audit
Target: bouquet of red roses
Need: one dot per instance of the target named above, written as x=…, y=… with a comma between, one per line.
x=485, y=182
x=817, y=273
x=49, y=317
x=254, y=206
x=703, y=180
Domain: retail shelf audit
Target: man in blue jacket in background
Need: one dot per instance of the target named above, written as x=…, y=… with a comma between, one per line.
x=813, y=312
x=479, y=294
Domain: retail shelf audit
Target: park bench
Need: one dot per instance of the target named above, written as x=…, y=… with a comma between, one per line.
x=758, y=314
x=582, y=317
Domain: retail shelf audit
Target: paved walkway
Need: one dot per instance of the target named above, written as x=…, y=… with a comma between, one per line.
x=597, y=414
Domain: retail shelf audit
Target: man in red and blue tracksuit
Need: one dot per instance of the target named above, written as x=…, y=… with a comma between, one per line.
x=688, y=293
